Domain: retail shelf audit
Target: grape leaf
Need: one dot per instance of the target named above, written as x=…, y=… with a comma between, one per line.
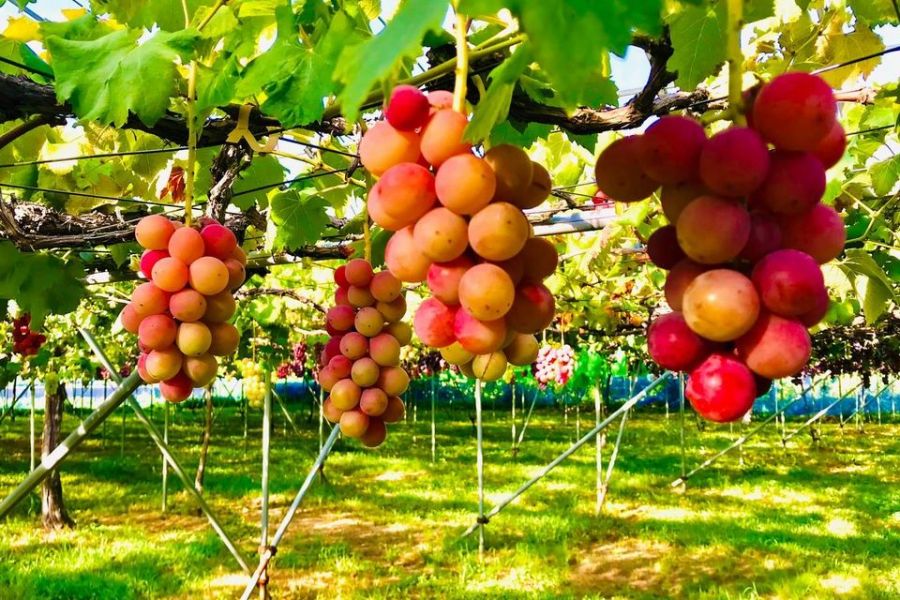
x=843, y=47
x=106, y=78
x=296, y=79
x=167, y=14
x=570, y=37
x=493, y=107
x=264, y=170
x=698, y=36
x=361, y=66
x=874, y=12
x=298, y=218
x=40, y=284
x=885, y=175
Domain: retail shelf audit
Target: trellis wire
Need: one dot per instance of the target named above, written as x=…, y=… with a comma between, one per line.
x=272, y=548
x=571, y=450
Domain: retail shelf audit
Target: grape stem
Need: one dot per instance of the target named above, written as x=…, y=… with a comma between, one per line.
x=462, y=64
x=735, y=16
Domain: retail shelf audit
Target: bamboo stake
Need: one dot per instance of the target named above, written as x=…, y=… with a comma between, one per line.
x=165, y=463
x=479, y=463
x=264, y=492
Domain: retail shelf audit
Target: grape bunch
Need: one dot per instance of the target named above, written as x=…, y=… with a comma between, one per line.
x=554, y=365
x=747, y=237
x=252, y=382
x=459, y=226
x=181, y=314
x=297, y=365
x=360, y=364
x=25, y=341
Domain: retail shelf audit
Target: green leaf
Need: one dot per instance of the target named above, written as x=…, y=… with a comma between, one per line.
x=874, y=12
x=493, y=107
x=571, y=37
x=216, y=85
x=885, y=174
x=756, y=10
x=121, y=253
x=878, y=286
x=698, y=36
x=263, y=171
x=362, y=66
x=296, y=79
x=106, y=78
x=876, y=300
x=167, y=14
x=519, y=134
x=40, y=284
x=299, y=219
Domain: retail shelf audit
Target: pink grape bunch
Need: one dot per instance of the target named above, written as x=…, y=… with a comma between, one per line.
x=554, y=365
x=747, y=234
x=181, y=314
x=459, y=226
x=360, y=365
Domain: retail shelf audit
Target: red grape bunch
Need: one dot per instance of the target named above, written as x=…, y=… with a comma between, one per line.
x=360, y=364
x=747, y=234
x=554, y=365
x=297, y=365
x=25, y=341
x=181, y=315
x=460, y=227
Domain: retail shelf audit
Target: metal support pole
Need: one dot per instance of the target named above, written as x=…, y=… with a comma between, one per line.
x=31, y=434
x=681, y=424
x=571, y=450
x=433, y=427
x=72, y=441
x=479, y=463
x=165, y=464
x=741, y=440
x=292, y=510
x=9, y=409
x=164, y=449
x=264, y=484
x=821, y=413
x=600, y=440
x=285, y=412
x=612, y=459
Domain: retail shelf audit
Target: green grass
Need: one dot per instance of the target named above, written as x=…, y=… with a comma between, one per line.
x=806, y=522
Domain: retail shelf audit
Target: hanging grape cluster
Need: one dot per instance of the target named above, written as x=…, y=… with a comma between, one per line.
x=181, y=315
x=360, y=364
x=459, y=226
x=26, y=342
x=554, y=365
x=747, y=235
x=253, y=381
x=297, y=365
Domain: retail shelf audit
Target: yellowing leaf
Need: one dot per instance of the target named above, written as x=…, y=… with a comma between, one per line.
x=842, y=47
x=22, y=29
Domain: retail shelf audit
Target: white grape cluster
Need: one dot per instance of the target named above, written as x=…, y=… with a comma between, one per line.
x=554, y=365
x=253, y=380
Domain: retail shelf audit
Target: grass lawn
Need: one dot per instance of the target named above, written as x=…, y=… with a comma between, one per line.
x=811, y=521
